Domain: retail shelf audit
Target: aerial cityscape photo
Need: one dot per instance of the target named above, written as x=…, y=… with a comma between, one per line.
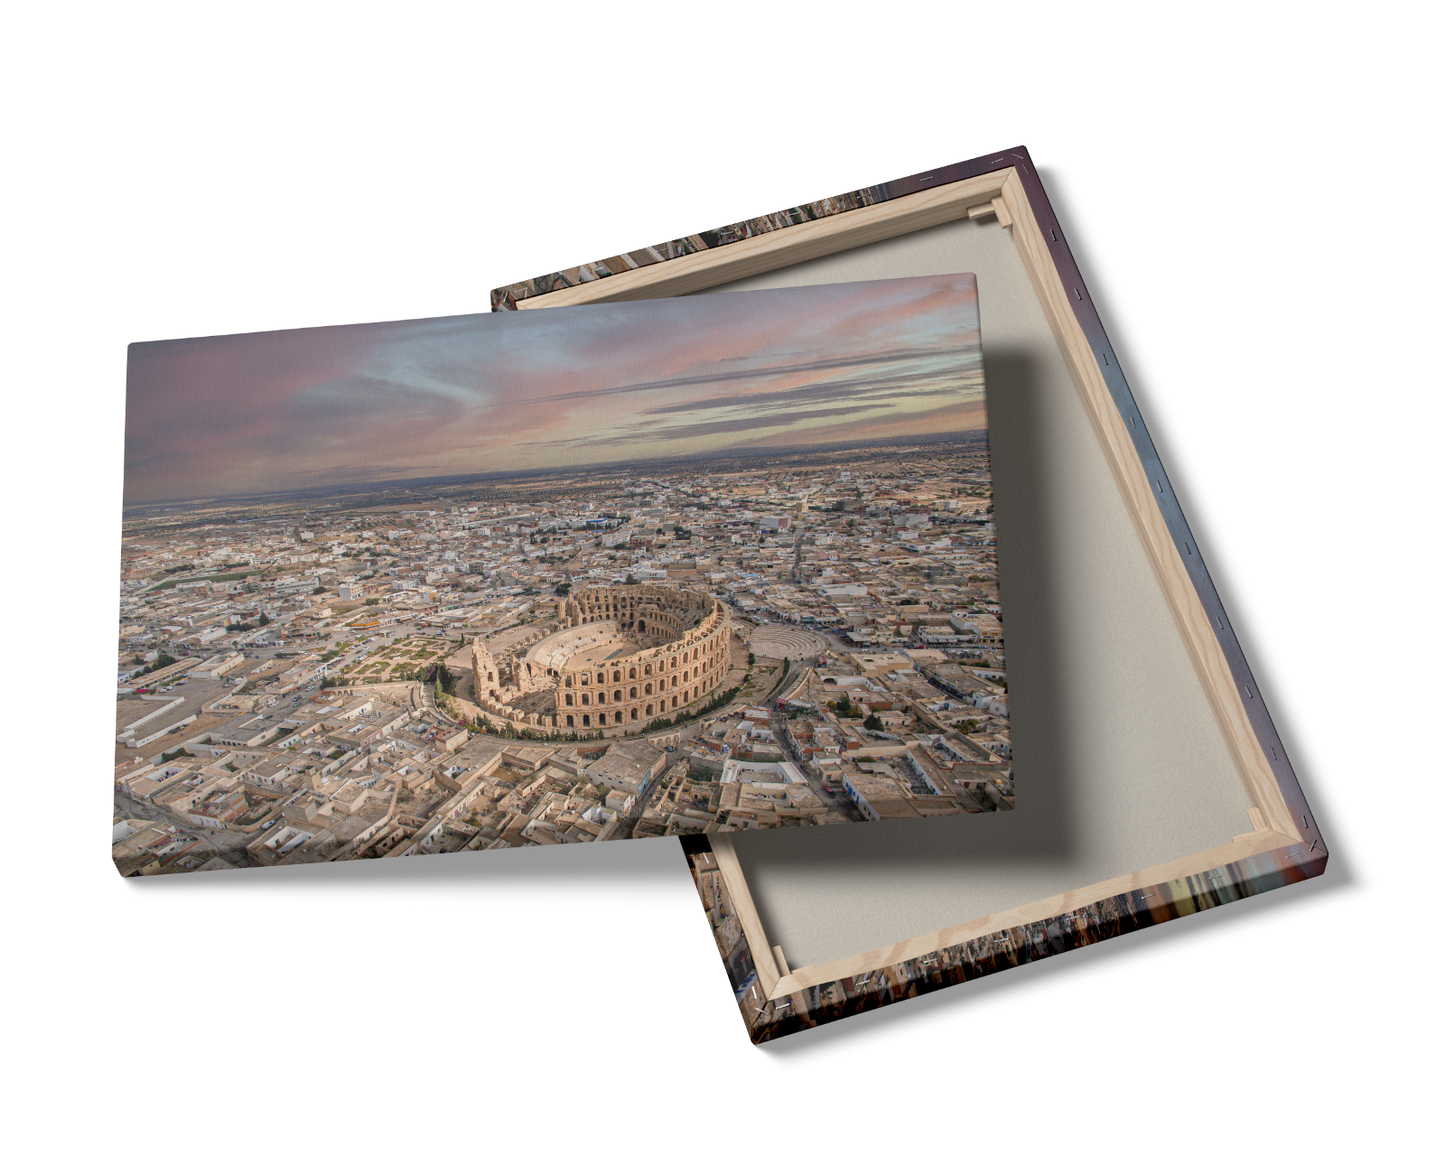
x=704, y=564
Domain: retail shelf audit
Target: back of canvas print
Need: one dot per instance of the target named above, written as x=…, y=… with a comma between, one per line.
x=515, y=579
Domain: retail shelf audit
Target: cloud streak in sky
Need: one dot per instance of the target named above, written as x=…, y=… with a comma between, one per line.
x=634, y=381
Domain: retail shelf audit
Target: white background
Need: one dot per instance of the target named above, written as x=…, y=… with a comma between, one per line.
x=1252, y=193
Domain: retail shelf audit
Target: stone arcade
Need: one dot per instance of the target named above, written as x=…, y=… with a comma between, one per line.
x=621, y=658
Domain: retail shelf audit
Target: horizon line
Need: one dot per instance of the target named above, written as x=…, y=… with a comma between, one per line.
x=344, y=489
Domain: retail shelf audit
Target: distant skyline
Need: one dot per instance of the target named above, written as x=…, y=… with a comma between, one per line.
x=297, y=409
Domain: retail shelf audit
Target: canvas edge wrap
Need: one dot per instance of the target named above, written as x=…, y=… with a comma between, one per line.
x=785, y=1014
x=1305, y=854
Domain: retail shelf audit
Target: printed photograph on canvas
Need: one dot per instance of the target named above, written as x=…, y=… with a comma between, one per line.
x=667, y=567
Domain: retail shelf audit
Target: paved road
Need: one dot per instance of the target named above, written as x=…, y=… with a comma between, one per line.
x=230, y=845
x=797, y=672
x=629, y=824
x=839, y=804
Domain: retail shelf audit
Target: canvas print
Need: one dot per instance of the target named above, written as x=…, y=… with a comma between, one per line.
x=795, y=1004
x=557, y=576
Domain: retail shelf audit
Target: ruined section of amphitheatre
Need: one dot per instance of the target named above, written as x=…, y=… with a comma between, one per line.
x=621, y=658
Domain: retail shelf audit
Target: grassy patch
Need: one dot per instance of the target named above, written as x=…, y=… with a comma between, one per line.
x=170, y=582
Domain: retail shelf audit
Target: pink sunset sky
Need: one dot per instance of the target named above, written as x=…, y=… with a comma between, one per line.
x=628, y=382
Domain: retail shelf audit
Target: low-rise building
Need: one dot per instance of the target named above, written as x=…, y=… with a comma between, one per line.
x=627, y=767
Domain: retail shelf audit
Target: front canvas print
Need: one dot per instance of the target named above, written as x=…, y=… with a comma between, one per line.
x=650, y=568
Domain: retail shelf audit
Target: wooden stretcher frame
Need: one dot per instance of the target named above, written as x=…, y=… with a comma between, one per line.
x=1284, y=845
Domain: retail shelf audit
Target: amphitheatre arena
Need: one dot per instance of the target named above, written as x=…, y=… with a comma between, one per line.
x=621, y=657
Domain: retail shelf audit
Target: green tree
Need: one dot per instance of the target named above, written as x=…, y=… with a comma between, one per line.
x=162, y=660
x=873, y=722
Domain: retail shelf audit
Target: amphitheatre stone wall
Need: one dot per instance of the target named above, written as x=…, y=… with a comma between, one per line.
x=622, y=658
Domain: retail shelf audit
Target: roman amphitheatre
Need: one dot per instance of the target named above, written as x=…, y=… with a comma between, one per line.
x=620, y=659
